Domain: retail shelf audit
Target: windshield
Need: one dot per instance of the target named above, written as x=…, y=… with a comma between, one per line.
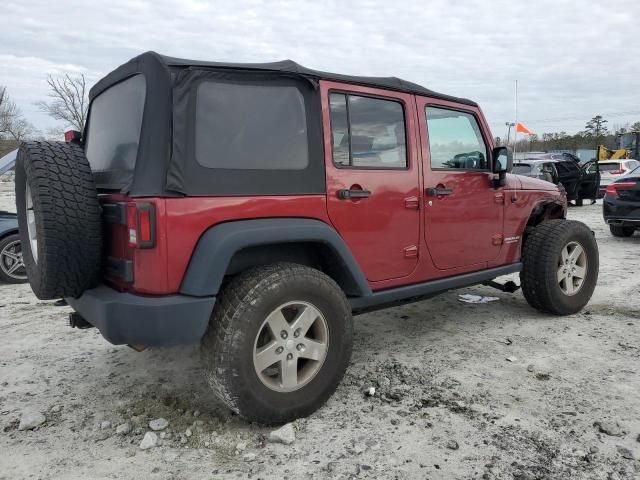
x=628, y=140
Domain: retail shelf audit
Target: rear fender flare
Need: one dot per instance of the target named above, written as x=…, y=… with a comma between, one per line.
x=218, y=245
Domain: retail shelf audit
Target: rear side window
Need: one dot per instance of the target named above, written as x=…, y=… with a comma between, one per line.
x=257, y=127
x=114, y=127
x=455, y=140
x=367, y=132
x=521, y=169
x=609, y=167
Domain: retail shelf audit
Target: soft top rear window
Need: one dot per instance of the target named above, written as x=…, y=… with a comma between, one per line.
x=113, y=133
x=251, y=126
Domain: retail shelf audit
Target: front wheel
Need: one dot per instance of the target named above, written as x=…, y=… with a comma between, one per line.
x=278, y=343
x=560, y=267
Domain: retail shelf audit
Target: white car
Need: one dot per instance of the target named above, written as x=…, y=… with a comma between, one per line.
x=612, y=170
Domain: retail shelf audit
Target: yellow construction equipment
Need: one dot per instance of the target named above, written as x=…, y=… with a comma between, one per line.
x=628, y=147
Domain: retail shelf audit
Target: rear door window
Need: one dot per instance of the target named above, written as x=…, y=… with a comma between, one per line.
x=114, y=127
x=367, y=132
x=250, y=127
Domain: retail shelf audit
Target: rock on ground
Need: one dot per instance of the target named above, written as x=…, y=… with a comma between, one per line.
x=123, y=429
x=31, y=420
x=285, y=434
x=150, y=440
x=610, y=428
x=158, y=424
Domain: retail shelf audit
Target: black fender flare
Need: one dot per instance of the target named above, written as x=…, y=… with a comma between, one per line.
x=219, y=243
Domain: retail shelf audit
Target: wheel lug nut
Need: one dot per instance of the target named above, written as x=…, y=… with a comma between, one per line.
x=300, y=347
x=289, y=356
x=296, y=333
x=279, y=350
x=284, y=334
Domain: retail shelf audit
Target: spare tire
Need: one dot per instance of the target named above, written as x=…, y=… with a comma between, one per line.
x=58, y=219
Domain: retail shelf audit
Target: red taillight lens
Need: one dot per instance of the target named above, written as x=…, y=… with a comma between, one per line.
x=616, y=172
x=72, y=136
x=141, y=225
x=144, y=226
x=612, y=190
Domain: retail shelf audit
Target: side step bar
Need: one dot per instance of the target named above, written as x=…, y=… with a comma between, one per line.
x=420, y=291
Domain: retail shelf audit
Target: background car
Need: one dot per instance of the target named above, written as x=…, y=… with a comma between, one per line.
x=611, y=170
x=12, y=268
x=11, y=265
x=579, y=182
x=621, y=205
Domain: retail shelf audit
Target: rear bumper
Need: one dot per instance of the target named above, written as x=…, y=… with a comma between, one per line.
x=124, y=318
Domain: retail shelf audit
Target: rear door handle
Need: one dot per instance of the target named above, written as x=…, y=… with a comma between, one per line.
x=345, y=194
x=438, y=192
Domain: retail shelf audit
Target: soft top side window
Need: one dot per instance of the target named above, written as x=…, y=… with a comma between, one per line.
x=455, y=140
x=259, y=127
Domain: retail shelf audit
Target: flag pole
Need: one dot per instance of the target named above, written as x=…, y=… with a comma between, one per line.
x=515, y=133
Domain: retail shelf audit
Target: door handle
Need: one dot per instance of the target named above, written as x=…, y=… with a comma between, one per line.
x=438, y=192
x=345, y=194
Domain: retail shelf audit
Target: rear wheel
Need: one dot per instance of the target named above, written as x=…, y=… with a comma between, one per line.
x=579, y=202
x=560, y=267
x=619, y=231
x=11, y=264
x=278, y=343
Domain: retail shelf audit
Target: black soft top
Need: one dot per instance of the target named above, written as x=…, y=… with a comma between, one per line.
x=287, y=67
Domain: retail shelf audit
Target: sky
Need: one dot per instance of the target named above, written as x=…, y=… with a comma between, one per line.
x=572, y=60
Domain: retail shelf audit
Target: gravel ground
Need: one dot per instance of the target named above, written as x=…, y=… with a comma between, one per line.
x=462, y=391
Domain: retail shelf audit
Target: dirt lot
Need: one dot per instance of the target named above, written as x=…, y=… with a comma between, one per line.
x=462, y=391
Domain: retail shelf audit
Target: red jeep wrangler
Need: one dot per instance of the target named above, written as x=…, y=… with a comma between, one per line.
x=256, y=207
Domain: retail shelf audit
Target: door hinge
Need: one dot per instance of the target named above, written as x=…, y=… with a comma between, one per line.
x=412, y=203
x=499, y=197
x=497, y=239
x=411, y=251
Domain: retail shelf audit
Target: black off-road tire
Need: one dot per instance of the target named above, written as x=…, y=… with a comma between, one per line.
x=67, y=219
x=579, y=202
x=619, y=231
x=542, y=258
x=228, y=344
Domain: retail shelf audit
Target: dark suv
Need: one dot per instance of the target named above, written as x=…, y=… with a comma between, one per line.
x=256, y=207
x=580, y=182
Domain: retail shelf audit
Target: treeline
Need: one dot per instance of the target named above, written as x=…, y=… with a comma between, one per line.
x=595, y=133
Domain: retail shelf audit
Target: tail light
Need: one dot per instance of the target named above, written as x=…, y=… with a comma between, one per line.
x=616, y=172
x=141, y=225
x=612, y=190
x=72, y=136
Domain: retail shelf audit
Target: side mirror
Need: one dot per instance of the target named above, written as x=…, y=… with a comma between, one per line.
x=502, y=160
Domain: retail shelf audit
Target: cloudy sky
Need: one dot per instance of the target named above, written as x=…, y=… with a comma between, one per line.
x=572, y=59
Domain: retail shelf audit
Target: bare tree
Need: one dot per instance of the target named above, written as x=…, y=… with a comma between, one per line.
x=12, y=123
x=69, y=100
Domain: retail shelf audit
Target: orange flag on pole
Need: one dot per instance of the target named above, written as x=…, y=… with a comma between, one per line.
x=520, y=128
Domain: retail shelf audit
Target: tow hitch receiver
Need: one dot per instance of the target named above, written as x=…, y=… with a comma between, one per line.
x=77, y=321
x=508, y=287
